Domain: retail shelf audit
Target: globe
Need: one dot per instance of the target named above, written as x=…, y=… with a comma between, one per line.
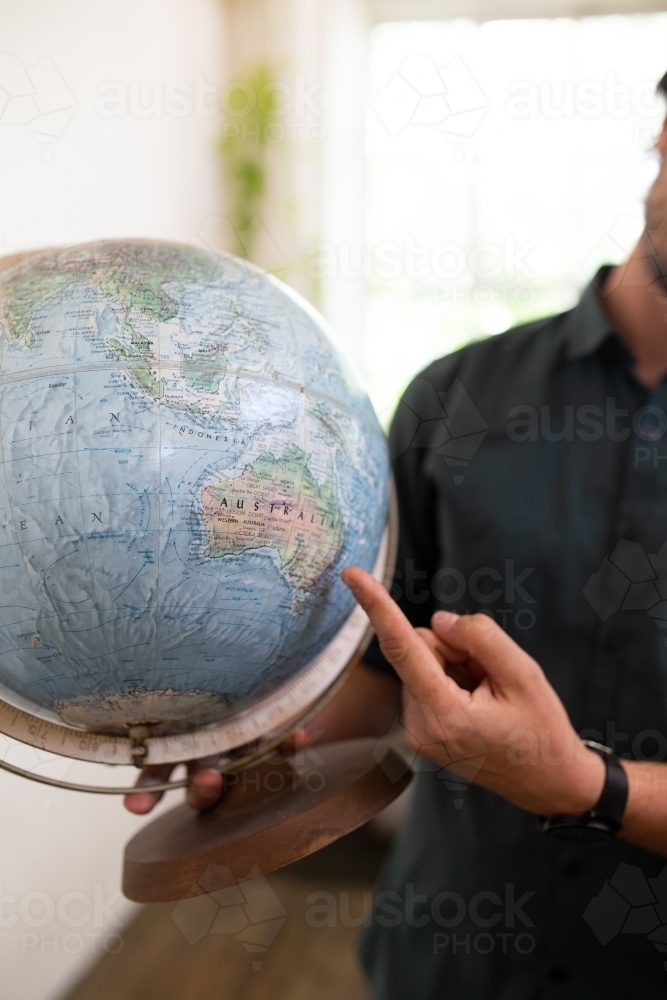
x=188, y=462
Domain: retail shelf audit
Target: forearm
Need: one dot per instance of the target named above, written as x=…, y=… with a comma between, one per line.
x=645, y=820
x=367, y=705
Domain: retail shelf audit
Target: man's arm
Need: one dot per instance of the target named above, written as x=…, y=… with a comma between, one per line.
x=645, y=820
x=476, y=703
x=368, y=704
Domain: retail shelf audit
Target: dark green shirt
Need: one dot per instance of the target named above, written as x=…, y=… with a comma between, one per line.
x=531, y=471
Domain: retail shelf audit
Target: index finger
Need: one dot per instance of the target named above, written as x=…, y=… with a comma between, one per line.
x=407, y=652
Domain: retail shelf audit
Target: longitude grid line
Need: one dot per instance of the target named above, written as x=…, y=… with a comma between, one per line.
x=90, y=569
x=222, y=564
x=306, y=442
x=210, y=606
x=263, y=611
x=265, y=599
x=301, y=399
x=159, y=408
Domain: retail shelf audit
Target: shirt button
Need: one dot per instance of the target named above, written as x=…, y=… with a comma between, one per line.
x=558, y=974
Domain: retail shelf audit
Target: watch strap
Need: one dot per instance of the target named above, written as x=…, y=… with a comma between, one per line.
x=614, y=796
x=605, y=819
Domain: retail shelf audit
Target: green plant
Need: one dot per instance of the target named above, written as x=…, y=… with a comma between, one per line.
x=251, y=107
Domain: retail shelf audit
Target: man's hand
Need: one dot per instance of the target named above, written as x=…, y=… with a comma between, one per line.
x=477, y=704
x=203, y=791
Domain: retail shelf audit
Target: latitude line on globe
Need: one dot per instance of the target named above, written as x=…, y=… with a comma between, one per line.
x=241, y=373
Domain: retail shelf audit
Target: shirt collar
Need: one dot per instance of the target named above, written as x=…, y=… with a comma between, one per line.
x=588, y=326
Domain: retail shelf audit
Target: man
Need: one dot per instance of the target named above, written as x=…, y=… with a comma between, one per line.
x=558, y=530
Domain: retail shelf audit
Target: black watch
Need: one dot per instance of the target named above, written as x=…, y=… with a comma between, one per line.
x=605, y=819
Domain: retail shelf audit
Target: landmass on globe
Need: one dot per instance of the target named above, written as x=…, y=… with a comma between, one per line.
x=277, y=503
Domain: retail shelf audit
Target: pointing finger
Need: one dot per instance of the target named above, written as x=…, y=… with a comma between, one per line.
x=407, y=652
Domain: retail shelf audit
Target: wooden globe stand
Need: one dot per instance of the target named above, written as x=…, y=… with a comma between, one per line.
x=271, y=814
x=274, y=810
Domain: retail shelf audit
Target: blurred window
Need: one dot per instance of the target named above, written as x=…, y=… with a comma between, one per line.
x=505, y=161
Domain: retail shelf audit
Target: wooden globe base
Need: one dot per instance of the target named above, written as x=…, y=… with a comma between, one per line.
x=272, y=814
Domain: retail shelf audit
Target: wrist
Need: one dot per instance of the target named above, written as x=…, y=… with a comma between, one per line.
x=602, y=821
x=585, y=780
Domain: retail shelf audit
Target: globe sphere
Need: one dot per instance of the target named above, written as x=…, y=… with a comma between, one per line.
x=188, y=463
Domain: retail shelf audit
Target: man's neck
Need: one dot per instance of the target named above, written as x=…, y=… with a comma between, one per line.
x=636, y=305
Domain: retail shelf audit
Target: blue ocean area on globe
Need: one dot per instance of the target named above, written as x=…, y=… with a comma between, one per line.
x=188, y=463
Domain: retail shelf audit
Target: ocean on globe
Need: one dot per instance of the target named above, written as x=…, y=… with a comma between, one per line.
x=188, y=463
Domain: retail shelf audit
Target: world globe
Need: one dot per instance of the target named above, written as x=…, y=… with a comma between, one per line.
x=187, y=464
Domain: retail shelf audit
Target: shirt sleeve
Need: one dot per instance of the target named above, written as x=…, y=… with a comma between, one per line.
x=412, y=435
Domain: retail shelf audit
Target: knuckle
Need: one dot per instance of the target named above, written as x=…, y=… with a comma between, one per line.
x=479, y=629
x=482, y=624
x=394, y=650
x=533, y=683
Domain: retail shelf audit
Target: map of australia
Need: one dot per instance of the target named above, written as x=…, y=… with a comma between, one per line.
x=279, y=504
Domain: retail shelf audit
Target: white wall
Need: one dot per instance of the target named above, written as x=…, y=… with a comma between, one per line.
x=147, y=171
x=60, y=870
x=91, y=176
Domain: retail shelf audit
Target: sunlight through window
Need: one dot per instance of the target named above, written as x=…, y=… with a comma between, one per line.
x=506, y=161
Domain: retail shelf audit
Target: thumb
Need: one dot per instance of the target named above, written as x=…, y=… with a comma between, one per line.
x=482, y=639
